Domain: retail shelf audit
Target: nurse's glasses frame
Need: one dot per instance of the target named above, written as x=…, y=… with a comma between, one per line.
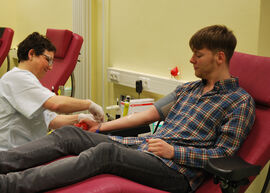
x=49, y=59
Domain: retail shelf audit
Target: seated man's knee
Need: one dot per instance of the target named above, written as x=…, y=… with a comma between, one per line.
x=106, y=147
x=103, y=151
x=68, y=131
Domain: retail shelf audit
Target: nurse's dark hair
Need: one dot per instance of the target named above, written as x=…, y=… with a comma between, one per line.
x=37, y=42
x=215, y=38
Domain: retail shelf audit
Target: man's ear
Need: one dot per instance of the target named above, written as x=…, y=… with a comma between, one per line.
x=221, y=58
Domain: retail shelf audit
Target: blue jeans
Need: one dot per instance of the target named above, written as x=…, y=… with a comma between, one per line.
x=94, y=154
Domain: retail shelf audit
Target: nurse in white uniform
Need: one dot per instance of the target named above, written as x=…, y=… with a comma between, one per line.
x=27, y=109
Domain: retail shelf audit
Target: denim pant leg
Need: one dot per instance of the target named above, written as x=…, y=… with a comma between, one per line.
x=104, y=158
x=68, y=140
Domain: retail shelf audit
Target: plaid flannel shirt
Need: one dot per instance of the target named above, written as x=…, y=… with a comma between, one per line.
x=202, y=126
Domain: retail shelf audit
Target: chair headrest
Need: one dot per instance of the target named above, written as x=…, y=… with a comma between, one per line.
x=2, y=30
x=253, y=73
x=61, y=40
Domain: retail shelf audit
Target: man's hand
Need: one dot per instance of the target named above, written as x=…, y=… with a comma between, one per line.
x=97, y=111
x=160, y=148
x=92, y=124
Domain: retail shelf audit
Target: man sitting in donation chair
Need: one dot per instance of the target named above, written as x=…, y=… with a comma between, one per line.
x=255, y=150
x=208, y=119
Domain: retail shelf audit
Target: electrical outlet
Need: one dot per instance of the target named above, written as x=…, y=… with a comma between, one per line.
x=114, y=76
x=145, y=82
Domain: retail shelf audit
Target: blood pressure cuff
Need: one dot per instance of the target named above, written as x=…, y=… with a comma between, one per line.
x=164, y=105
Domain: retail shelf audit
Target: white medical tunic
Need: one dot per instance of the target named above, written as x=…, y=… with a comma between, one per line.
x=22, y=117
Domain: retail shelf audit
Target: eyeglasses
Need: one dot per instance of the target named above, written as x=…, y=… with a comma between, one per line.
x=49, y=59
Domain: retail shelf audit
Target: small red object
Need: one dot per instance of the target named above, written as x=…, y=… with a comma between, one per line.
x=82, y=125
x=175, y=71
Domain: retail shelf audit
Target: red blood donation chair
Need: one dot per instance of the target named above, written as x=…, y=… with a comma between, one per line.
x=68, y=46
x=6, y=36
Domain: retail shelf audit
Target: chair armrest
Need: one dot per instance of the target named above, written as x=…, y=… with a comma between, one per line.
x=129, y=132
x=231, y=168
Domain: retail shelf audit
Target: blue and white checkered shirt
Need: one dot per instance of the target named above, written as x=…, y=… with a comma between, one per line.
x=202, y=126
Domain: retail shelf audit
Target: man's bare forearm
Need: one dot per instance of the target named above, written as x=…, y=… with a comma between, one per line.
x=133, y=120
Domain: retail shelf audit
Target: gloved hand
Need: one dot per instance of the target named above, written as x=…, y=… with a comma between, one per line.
x=85, y=121
x=86, y=116
x=97, y=111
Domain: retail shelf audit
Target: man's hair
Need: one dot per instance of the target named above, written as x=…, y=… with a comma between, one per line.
x=37, y=42
x=215, y=38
